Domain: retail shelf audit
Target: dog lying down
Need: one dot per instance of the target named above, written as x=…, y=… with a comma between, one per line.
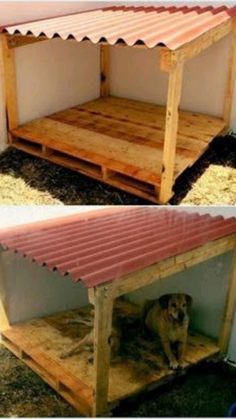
x=165, y=320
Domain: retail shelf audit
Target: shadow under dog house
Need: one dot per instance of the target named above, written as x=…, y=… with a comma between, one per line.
x=112, y=253
x=139, y=147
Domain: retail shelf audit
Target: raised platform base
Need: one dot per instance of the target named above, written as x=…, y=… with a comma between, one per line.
x=117, y=141
x=40, y=343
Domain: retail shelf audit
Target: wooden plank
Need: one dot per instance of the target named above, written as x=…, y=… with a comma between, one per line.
x=102, y=331
x=117, y=179
x=105, y=70
x=192, y=124
x=230, y=78
x=69, y=139
x=172, y=265
x=70, y=142
x=10, y=85
x=229, y=308
x=189, y=143
x=15, y=41
x=61, y=380
x=42, y=340
x=108, y=137
x=4, y=315
x=171, y=128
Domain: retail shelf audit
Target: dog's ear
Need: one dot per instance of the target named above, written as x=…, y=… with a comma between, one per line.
x=189, y=301
x=164, y=301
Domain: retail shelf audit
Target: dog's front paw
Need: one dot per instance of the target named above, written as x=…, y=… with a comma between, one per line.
x=174, y=364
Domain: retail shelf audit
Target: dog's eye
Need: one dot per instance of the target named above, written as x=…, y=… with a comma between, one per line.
x=173, y=305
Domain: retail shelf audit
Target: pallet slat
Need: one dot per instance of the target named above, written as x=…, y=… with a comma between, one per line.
x=40, y=342
x=117, y=141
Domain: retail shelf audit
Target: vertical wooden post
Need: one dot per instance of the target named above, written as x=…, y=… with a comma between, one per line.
x=4, y=320
x=103, y=303
x=10, y=87
x=171, y=127
x=229, y=308
x=230, y=78
x=105, y=70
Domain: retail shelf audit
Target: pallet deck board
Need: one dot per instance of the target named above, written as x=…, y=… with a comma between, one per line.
x=118, y=141
x=40, y=342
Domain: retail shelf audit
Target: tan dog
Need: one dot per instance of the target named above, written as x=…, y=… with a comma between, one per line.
x=168, y=317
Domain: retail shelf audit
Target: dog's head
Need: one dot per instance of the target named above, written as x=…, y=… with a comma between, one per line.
x=177, y=305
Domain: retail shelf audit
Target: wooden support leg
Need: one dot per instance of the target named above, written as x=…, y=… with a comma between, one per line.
x=102, y=331
x=105, y=70
x=9, y=85
x=230, y=79
x=171, y=127
x=4, y=319
x=229, y=309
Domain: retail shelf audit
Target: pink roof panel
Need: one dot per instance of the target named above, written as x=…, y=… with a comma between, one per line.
x=107, y=245
x=169, y=26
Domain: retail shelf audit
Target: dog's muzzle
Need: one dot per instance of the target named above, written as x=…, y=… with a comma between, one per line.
x=181, y=316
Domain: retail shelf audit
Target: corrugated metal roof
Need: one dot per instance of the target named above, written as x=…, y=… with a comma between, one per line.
x=169, y=26
x=102, y=248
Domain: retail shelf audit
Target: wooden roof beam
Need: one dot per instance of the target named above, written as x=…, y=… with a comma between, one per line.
x=169, y=58
x=17, y=40
x=172, y=265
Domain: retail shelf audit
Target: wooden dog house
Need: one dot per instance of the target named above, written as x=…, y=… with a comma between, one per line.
x=139, y=147
x=112, y=253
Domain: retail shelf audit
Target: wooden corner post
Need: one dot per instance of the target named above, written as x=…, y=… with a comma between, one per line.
x=231, y=77
x=175, y=70
x=10, y=88
x=229, y=308
x=105, y=70
x=103, y=304
x=4, y=319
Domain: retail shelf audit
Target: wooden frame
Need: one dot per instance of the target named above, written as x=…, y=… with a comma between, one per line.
x=152, y=274
x=10, y=86
x=171, y=128
x=94, y=401
x=154, y=184
x=4, y=315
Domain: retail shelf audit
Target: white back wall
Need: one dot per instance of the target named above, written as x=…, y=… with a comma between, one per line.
x=206, y=283
x=135, y=74
x=56, y=74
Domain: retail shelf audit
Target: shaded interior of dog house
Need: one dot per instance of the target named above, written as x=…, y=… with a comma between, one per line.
x=108, y=138
x=100, y=250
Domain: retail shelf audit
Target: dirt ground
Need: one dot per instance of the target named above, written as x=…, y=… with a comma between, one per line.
x=25, y=179
x=207, y=391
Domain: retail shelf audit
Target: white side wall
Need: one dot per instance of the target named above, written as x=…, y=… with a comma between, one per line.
x=56, y=74
x=34, y=291
x=135, y=74
x=59, y=75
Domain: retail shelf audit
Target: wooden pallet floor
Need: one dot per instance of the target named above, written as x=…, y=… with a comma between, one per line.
x=40, y=342
x=117, y=141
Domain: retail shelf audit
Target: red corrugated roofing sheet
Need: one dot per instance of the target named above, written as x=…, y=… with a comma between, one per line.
x=102, y=248
x=169, y=26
